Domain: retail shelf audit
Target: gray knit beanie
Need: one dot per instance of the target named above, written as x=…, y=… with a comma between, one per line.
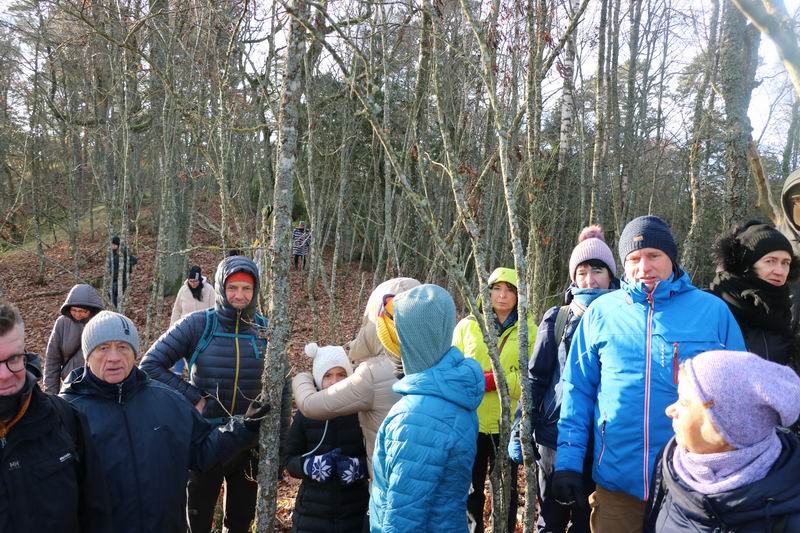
x=592, y=245
x=425, y=317
x=648, y=232
x=751, y=396
x=109, y=326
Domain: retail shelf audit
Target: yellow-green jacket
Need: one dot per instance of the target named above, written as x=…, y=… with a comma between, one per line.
x=468, y=338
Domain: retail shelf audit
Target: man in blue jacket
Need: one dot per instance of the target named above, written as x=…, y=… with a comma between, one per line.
x=622, y=373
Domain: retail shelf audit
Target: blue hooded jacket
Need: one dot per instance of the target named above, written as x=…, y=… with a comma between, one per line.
x=425, y=447
x=622, y=373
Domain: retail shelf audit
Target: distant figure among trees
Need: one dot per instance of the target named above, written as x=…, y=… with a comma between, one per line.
x=128, y=262
x=301, y=242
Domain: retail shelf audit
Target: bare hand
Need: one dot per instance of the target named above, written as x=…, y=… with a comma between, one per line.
x=200, y=405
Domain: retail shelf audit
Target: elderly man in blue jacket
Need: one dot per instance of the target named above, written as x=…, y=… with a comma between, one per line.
x=622, y=373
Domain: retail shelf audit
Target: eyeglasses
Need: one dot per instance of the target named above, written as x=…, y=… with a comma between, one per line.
x=16, y=363
x=386, y=303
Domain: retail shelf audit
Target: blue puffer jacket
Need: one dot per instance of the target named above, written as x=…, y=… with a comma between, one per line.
x=148, y=437
x=622, y=373
x=770, y=505
x=229, y=363
x=425, y=449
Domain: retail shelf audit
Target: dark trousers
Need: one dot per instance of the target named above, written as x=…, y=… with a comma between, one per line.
x=299, y=262
x=554, y=517
x=484, y=463
x=240, y=495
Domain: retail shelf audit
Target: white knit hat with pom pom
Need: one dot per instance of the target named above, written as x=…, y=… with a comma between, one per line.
x=325, y=358
x=592, y=245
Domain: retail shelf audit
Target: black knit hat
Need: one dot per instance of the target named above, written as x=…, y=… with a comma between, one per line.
x=648, y=232
x=195, y=273
x=115, y=240
x=737, y=250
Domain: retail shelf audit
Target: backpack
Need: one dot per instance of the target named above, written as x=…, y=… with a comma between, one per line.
x=210, y=332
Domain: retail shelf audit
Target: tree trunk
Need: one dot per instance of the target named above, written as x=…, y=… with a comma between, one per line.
x=275, y=366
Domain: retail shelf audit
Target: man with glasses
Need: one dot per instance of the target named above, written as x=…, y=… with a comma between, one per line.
x=50, y=477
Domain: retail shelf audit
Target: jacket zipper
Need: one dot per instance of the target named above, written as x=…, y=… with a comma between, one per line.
x=133, y=454
x=675, y=364
x=651, y=305
x=236, y=375
x=602, y=440
x=766, y=348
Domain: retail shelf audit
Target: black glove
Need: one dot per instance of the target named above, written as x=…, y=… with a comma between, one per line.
x=255, y=413
x=568, y=488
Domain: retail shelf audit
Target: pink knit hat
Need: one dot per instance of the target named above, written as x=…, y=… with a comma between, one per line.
x=750, y=395
x=592, y=245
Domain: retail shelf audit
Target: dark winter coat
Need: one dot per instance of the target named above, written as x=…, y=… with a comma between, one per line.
x=769, y=505
x=221, y=368
x=328, y=507
x=148, y=437
x=51, y=478
x=64, y=352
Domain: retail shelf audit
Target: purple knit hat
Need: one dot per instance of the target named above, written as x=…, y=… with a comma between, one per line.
x=592, y=245
x=751, y=396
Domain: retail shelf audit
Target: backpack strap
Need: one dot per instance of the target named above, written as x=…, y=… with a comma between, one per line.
x=561, y=322
x=205, y=338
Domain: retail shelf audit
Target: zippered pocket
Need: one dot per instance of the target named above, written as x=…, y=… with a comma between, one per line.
x=675, y=361
x=602, y=440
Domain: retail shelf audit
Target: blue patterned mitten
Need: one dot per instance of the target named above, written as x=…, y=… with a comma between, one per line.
x=321, y=467
x=350, y=469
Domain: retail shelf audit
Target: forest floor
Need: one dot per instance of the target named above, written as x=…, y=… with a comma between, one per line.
x=40, y=304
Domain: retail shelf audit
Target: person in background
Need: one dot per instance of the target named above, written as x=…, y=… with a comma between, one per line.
x=329, y=456
x=593, y=271
x=729, y=466
x=128, y=262
x=468, y=338
x=425, y=447
x=147, y=434
x=197, y=294
x=755, y=264
x=51, y=478
x=301, y=242
x=622, y=372
x=64, y=352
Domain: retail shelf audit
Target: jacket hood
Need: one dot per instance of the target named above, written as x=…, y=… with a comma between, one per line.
x=454, y=378
x=425, y=317
x=85, y=296
x=676, y=284
x=367, y=344
x=776, y=495
x=82, y=382
x=231, y=265
x=792, y=182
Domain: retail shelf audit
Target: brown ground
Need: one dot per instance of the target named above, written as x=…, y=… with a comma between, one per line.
x=40, y=305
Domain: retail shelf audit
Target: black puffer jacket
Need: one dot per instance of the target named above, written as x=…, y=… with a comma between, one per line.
x=326, y=507
x=220, y=369
x=148, y=437
x=51, y=478
x=771, y=505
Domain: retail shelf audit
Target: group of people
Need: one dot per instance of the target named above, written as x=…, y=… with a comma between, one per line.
x=657, y=406
x=115, y=447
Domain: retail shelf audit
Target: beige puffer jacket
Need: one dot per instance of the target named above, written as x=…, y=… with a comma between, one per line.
x=185, y=303
x=368, y=391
